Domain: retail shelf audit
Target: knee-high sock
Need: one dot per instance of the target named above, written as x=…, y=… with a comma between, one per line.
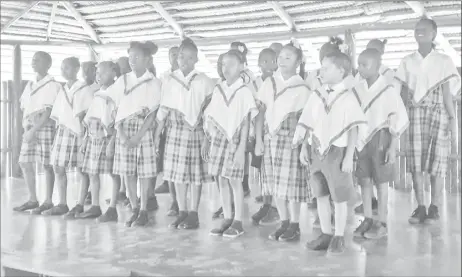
x=325, y=214
x=341, y=213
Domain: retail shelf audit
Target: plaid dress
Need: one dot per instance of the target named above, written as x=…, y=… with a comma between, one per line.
x=65, y=152
x=139, y=161
x=39, y=149
x=183, y=163
x=429, y=136
x=95, y=160
x=282, y=174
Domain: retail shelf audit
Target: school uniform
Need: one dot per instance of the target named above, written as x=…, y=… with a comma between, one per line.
x=185, y=98
x=386, y=118
x=36, y=98
x=385, y=71
x=70, y=103
x=99, y=124
x=230, y=107
x=429, y=137
x=329, y=116
x=282, y=174
x=135, y=98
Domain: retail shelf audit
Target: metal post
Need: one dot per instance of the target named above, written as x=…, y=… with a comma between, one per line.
x=16, y=126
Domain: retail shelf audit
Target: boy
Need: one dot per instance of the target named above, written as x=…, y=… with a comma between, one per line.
x=387, y=119
x=36, y=103
x=329, y=124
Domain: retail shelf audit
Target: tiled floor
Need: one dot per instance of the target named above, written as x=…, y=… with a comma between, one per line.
x=57, y=247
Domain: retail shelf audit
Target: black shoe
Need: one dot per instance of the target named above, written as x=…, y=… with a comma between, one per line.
x=142, y=219
x=432, y=216
x=181, y=217
x=278, y=233
x=29, y=205
x=336, y=246
x=152, y=204
x=92, y=212
x=109, y=216
x=191, y=222
x=365, y=226
x=60, y=210
x=40, y=209
x=418, y=216
x=291, y=234
x=321, y=243
x=224, y=226
x=260, y=214
x=133, y=217
x=74, y=212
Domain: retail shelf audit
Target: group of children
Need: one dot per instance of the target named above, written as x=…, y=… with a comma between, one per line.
x=303, y=135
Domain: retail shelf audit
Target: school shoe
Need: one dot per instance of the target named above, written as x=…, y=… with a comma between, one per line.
x=92, y=212
x=320, y=243
x=234, y=231
x=378, y=231
x=174, y=209
x=152, y=204
x=224, y=226
x=29, y=205
x=163, y=188
x=282, y=228
x=271, y=217
x=336, y=246
x=418, y=215
x=292, y=233
x=364, y=227
x=191, y=222
x=74, y=212
x=109, y=216
x=260, y=214
x=133, y=217
x=433, y=215
x=180, y=218
x=60, y=209
x=40, y=209
x=142, y=219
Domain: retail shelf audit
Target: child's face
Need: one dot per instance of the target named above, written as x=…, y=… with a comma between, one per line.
x=231, y=67
x=186, y=59
x=40, y=64
x=288, y=60
x=267, y=63
x=331, y=74
x=105, y=75
x=424, y=32
x=325, y=50
x=367, y=66
x=137, y=59
x=89, y=73
x=68, y=71
x=173, y=57
x=124, y=65
x=277, y=47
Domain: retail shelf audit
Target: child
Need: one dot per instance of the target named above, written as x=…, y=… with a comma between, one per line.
x=432, y=81
x=267, y=214
x=137, y=97
x=99, y=147
x=124, y=65
x=387, y=119
x=281, y=99
x=227, y=120
x=36, y=103
x=276, y=47
x=68, y=111
x=329, y=124
x=186, y=94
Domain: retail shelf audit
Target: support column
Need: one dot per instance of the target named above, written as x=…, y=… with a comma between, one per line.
x=17, y=130
x=350, y=41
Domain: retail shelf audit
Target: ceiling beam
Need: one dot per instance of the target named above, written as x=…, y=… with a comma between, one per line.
x=419, y=9
x=288, y=20
x=76, y=14
x=167, y=17
x=19, y=15
x=52, y=18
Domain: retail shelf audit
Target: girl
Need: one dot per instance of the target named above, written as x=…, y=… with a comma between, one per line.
x=68, y=112
x=227, y=125
x=137, y=97
x=186, y=94
x=99, y=147
x=282, y=98
x=36, y=104
x=431, y=80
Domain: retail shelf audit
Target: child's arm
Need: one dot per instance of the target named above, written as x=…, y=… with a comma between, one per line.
x=147, y=124
x=347, y=164
x=110, y=149
x=29, y=134
x=239, y=157
x=259, y=122
x=449, y=105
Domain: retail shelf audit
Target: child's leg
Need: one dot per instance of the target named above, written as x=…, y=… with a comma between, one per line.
x=131, y=183
x=111, y=212
x=436, y=192
x=95, y=185
x=419, y=215
x=282, y=206
x=236, y=197
x=181, y=196
x=61, y=183
x=325, y=214
x=50, y=182
x=366, y=194
x=174, y=209
x=293, y=232
x=380, y=229
x=28, y=170
x=192, y=220
x=145, y=188
x=226, y=197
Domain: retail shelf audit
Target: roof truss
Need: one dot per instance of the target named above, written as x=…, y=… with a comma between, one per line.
x=19, y=15
x=76, y=14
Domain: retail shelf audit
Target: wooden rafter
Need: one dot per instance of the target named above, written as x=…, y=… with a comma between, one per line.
x=52, y=19
x=167, y=17
x=76, y=14
x=288, y=20
x=19, y=15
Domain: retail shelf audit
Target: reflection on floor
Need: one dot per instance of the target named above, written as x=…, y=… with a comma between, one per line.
x=56, y=247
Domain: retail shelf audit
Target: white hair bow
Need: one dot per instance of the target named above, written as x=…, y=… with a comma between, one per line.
x=241, y=48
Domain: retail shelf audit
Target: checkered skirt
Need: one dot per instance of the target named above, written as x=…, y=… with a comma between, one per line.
x=95, y=160
x=183, y=163
x=221, y=160
x=429, y=136
x=282, y=174
x=65, y=152
x=39, y=150
x=141, y=160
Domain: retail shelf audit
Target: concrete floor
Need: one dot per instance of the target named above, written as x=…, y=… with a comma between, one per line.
x=55, y=247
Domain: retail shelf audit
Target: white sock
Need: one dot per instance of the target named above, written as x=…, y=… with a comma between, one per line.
x=341, y=213
x=325, y=214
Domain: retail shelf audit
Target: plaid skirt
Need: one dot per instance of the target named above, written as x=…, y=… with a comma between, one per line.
x=65, y=152
x=39, y=150
x=139, y=161
x=429, y=141
x=221, y=161
x=95, y=160
x=282, y=174
x=183, y=163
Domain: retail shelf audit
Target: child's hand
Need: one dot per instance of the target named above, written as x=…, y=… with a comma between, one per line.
x=29, y=136
x=205, y=150
x=305, y=157
x=259, y=147
x=239, y=156
x=390, y=156
x=347, y=164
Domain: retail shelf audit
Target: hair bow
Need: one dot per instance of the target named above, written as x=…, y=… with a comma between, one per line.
x=295, y=43
x=343, y=48
x=241, y=48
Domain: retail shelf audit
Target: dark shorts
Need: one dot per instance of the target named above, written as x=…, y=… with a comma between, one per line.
x=371, y=160
x=328, y=177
